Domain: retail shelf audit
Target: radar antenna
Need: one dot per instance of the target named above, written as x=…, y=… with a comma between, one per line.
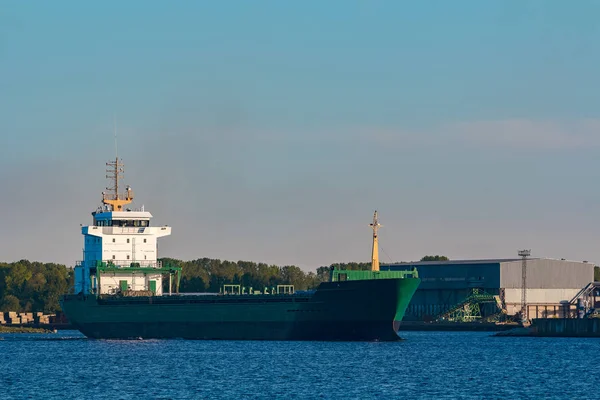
x=115, y=172
x=115, y=130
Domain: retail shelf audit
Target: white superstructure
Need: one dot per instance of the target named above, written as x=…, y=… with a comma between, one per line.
x=120, y=247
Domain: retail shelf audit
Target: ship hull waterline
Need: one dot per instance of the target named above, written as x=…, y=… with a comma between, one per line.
x=364, y=310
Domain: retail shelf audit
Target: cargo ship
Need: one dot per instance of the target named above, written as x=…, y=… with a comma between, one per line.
x=123, y=291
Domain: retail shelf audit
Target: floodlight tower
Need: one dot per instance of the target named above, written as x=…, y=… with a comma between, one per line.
x=524, y=254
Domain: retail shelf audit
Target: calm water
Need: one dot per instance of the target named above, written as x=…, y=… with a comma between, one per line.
x=428, y=365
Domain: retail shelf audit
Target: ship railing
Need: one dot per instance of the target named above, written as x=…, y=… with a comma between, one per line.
x=285, y=289
x=112, y=196
x=134, y=264
x=234, y=289
x=122, y=264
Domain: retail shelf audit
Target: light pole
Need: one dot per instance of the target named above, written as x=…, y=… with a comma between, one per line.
x=524, y=254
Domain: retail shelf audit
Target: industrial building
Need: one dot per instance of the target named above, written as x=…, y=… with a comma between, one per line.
x=550, y=284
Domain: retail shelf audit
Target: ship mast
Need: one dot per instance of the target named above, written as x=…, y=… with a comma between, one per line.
x=112, y=198
x=375, y=252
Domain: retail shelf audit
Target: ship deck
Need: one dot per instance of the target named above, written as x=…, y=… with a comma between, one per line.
x=206, y=299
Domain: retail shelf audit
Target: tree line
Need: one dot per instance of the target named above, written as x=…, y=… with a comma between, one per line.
x=209, y=275
x=27, y=286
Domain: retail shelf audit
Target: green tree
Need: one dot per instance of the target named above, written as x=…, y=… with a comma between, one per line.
x=323, y=274
x=597, y=273
x=19, y=273
x=10, y=303
x=293, y=275
x=435, y=258
x=353, y=266
x=35, y=286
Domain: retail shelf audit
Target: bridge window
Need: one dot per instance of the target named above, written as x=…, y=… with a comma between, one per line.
x=127, y=240
x=129, y=223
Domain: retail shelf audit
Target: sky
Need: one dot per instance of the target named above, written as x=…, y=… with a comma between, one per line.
x=270, y=131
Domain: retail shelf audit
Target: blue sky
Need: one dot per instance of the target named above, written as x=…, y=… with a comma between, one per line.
x=270, y=131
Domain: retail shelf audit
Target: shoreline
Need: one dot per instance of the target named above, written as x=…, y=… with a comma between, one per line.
x=24, y=329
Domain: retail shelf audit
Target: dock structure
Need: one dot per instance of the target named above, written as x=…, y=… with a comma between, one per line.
x=551, y=285
x=566, y=327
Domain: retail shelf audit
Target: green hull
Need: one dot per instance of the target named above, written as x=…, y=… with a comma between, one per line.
x=348, y=310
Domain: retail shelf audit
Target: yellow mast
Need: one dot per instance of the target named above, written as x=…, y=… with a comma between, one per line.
x=375, y=252
x=112, y=197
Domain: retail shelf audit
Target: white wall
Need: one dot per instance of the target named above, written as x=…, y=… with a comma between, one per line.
x=544, y=273
x=540, y=296
x=122, y=246
x=110, y=283
x=125, y=249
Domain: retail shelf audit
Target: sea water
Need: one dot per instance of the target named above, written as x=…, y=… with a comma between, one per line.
x=427, y=365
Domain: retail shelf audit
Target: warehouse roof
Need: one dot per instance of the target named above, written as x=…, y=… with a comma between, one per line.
x=467, y=262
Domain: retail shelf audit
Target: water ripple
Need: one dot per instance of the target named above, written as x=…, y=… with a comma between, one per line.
x=428, y=365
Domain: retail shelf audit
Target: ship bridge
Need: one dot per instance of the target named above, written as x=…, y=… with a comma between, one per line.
x=120, y=244
x=122, y=218
x=124, y=222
